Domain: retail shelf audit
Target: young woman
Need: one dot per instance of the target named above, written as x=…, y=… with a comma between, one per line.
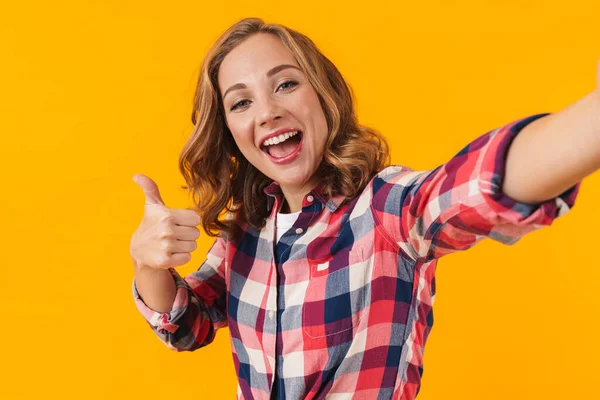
x=324, y=259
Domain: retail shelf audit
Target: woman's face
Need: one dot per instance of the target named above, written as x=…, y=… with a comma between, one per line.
x=273, y=111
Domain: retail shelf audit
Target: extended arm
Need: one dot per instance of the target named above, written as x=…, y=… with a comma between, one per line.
x=555, y=152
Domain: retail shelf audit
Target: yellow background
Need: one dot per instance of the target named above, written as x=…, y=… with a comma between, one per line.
x=94, y=92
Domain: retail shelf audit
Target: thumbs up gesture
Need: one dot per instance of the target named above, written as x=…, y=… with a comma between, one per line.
x=166, y=237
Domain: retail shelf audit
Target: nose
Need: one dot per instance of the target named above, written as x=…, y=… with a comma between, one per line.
x=268, y=112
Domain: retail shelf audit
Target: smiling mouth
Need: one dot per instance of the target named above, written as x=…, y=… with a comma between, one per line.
x=282, y=149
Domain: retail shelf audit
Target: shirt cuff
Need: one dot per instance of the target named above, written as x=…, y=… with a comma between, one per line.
x=160, y=321
x=493, y=172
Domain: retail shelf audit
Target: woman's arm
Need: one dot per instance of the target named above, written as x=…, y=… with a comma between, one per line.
x=453, y=207
x=156, y=287
x=558, y=150
x=189, y=310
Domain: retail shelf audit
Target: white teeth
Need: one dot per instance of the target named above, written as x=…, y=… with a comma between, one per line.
x=280, y=138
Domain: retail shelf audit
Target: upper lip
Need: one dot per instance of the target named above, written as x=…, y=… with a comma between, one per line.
x=277, y=133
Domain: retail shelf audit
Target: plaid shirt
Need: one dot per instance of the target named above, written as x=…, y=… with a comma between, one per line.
x=341, y=306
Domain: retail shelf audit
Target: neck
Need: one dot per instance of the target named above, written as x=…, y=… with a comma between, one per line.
x=293, y=197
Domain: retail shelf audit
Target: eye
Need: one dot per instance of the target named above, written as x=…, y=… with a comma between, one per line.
x=287, y=85
x=284, y=86
x=239, y=104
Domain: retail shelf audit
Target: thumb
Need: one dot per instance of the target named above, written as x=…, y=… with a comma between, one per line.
x=150, y=189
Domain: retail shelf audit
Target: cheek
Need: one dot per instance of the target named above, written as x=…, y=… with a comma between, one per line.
x=318, y=116
x=317, y=110
x=240, y=132
x=312, y=110
x=243, y=144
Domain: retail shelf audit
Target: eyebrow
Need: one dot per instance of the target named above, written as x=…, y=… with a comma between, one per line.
x=270, y=73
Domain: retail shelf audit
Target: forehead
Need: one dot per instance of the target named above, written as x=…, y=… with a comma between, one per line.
x=253, y=58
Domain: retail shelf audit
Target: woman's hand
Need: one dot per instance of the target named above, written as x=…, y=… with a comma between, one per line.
x=166, y=237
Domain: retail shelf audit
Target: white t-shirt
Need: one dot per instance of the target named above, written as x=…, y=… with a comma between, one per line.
x=284, y=223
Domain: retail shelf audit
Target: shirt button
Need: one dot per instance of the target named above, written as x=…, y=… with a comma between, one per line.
x=271, y=314
x=299, y=231
x=309, y=198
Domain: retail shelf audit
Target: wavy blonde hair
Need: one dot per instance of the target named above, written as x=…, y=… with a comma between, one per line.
x=220, y=178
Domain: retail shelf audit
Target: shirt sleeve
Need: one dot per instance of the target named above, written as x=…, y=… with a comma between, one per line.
x=198, y=310
x=453, y=207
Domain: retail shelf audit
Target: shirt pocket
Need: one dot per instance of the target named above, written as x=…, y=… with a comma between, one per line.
x=336, y=296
